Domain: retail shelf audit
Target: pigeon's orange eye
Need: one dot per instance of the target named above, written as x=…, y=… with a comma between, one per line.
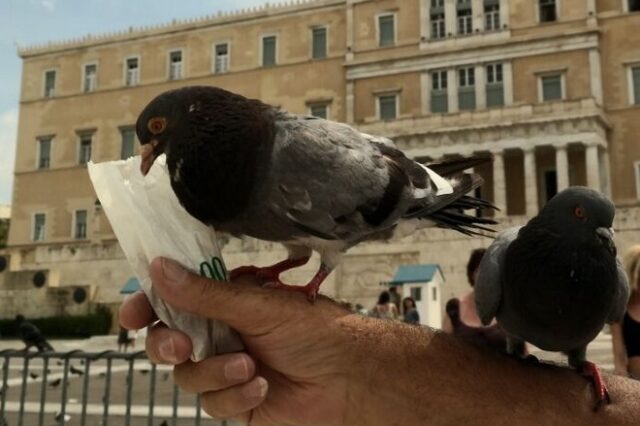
x=157, y=125
x=579, y=212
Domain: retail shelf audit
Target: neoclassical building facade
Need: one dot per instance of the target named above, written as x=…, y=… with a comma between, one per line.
x=550, y=89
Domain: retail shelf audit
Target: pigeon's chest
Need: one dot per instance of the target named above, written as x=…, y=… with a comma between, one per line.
x=566, y=291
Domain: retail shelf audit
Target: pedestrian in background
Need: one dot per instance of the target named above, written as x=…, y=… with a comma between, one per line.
x=395, y=297
x=124, y=340
x=462, y=319
x=411, y=315
x=385, y=309
x=625, y=335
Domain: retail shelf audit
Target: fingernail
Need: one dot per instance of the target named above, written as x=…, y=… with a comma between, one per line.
x=257, y=389
x=167, y=350
x=237, y=369
x=173, y=271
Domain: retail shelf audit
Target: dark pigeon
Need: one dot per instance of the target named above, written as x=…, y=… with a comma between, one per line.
x=556, y=281
x=247, y=168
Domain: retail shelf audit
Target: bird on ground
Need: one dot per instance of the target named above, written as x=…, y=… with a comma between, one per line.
x=55, y=383
x=33, y=375
x=556, y=281
x=247, y=168
x=75, y=370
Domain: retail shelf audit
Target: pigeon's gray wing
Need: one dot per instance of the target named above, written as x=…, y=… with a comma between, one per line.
x=335, y=183
x=622, y=297
x=488, y=285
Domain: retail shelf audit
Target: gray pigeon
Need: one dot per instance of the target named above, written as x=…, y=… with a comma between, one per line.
x=247, y=168
x=556, y=281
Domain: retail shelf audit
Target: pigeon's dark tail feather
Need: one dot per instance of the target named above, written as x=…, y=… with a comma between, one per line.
x=451, y=167
x=449, y=210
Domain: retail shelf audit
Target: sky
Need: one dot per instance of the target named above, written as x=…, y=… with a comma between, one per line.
x=28, y=22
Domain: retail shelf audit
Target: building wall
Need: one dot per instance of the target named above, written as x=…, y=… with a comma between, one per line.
x=593, y=54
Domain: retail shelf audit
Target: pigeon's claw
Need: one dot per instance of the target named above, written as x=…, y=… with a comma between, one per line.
x=242, y=271
x=311, y=289
x=592, y=372
x=269, y=273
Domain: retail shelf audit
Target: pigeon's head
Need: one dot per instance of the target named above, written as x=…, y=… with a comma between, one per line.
x=157, y=123
x=582, y=213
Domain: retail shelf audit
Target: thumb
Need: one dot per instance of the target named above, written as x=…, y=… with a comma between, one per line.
x=244, y=306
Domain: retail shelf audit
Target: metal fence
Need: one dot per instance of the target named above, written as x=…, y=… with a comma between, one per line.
x=83, y=388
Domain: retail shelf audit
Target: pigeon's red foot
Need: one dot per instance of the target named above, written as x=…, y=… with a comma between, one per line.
x=269, y=273
x=592, y=372
x=311, y=289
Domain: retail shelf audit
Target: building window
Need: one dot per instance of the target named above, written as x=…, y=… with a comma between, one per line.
x=495, y=86
x=466, y=88
x=491, y=15
x=319, y=110
x=465, y=17
x=551, y=87
x=44, y=153
x=128, y=143
x=84, y=155
x=439, y=96
x=90, y=77
x=634, y=5
x=39, y=226
x=386, y=30
x=436, y=14
x=80, y=225
x=175, y=65
x=221, y=58
x=132, y=72
x=548, y=12
x=269, y=49
x=49, y=83
x=635, y=85
x=636, y=166
x=319, y=43
x=388, y=107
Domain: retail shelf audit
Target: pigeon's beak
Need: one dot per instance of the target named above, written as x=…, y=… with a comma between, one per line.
x=148, y=156
x=606, y=238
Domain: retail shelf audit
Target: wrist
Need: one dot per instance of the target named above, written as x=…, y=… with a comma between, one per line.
x=380, y=358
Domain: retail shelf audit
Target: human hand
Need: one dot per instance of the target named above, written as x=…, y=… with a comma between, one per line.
x=297, y=370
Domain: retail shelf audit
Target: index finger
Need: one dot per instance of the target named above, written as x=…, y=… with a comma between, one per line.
x=136, y=312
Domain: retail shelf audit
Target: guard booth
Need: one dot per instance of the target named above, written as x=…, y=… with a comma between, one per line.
x=423, y=283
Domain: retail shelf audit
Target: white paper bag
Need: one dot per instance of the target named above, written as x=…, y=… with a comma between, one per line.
x=149, y=222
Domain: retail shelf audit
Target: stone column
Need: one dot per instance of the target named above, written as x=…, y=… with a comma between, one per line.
x=481, y=87
x=593, y=167
x=562, y=167
x=425, y=20
x=530, y=181
x=477, y=11
x=499, y=183
x=595, y=74
x=450, y=17
x=452, y=89
x=606, y=173
x=425, y=95
x=507, y=83
x=350, y=102
x=350, y=31
x=504, y=13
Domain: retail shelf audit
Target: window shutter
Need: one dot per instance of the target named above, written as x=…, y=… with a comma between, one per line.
x=319, y=43
x=551, y=88
x=269, y=51
x=635, y=73
x=387, y=30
